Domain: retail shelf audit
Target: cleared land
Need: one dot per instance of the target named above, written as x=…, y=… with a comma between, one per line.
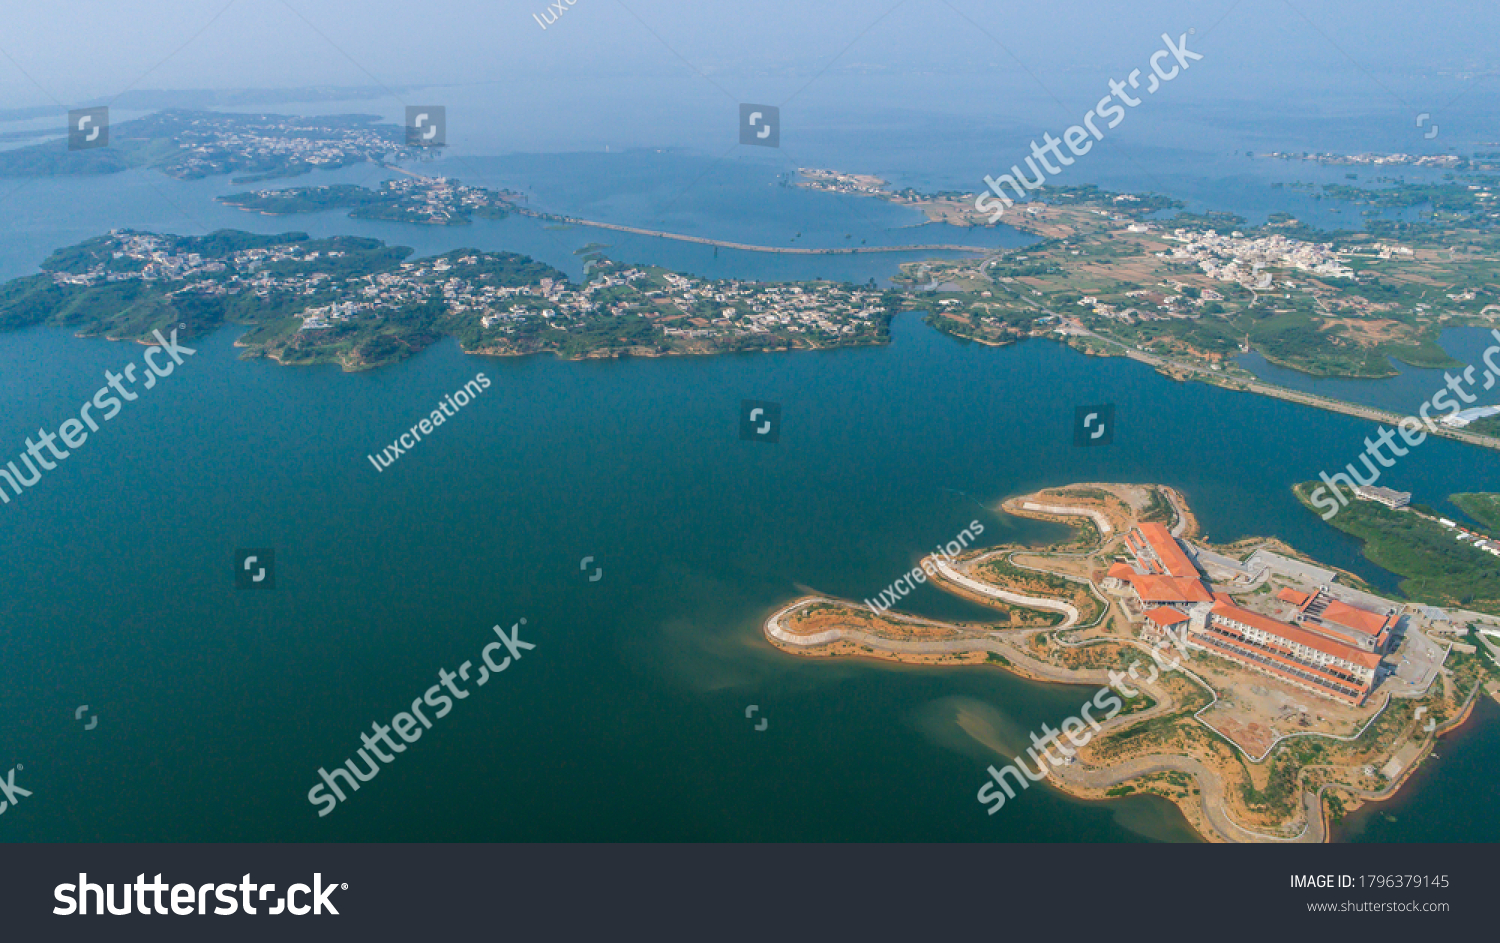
x=1244, y=756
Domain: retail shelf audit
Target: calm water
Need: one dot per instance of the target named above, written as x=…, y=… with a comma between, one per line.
x=1405, y=392
x=216, y=707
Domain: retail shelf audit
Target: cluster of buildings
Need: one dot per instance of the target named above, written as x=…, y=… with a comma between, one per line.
x=684, y=306
x=433, y=200
x=832, y=181
x=1237, y=258
x=439, y=199
x=1171, y=306
x=1309, y=639
x=212, y=145
x=1446, y=161
x=149, y=257
x=1465, y=535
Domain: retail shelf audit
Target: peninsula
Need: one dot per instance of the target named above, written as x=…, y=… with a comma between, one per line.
x=190, y=144
x=1262, y=693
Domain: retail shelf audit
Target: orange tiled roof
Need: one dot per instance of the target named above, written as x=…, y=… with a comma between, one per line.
x=1166, y=616
x=1166, y=548
x=1285, y=667
x=1296, y=634
x=1153, y=588
x=1122, y=571
x=1292, y=596
x=1363, y=620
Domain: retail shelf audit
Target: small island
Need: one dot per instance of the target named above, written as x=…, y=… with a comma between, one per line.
x=430, y=201
x=1262, y=693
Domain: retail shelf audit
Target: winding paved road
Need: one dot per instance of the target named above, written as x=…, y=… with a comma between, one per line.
x=1032, y=602
x=1210, y=786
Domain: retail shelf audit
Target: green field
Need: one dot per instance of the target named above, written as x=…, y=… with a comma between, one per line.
x=1481, y=506
x=1436, y=568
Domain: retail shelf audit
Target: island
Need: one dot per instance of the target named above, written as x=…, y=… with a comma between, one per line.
x=360, y=303
x=189, y=144
x=1264, y=694
x=1109, y=274
x=432, y=201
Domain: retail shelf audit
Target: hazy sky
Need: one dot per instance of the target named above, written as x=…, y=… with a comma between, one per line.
x=68, y=51
x=962, y=75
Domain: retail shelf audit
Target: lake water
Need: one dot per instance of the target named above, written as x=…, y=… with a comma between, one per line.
x=216, y=707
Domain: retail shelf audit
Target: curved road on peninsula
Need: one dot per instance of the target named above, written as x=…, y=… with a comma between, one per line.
x=1210, y=786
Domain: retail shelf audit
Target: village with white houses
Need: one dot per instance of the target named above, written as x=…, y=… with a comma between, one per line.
x=215, y=143
x=1226, y=258
x=493, y=298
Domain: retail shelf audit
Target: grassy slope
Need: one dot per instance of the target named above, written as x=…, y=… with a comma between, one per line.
x=1437, y=569
x=1482, y=507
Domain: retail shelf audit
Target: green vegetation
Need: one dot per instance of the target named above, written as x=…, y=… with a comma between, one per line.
x=1438, y=568
x=1158, y=511
x=430, y=201
x=1201, y=288
x=1280, y=795
x=1483, y=507
x=1450, y=202
x=360, y=303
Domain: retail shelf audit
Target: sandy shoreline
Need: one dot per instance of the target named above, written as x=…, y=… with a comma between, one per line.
x=822, y=626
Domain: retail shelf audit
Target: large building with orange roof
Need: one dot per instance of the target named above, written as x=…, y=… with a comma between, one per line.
x=1155, y=548
x=1333, y=648
x=1342, y=621
x=1291, y=652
